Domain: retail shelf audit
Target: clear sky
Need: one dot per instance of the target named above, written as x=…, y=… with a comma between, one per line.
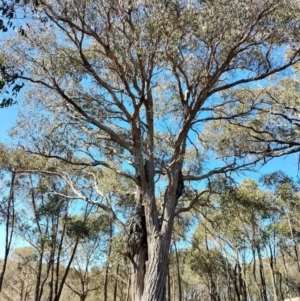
x=8, y=117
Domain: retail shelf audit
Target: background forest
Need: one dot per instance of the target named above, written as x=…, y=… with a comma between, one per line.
x=240, y=242
x=132, y=171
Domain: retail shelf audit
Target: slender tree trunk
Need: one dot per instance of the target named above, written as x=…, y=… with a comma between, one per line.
x=63, y=280
x=116, y=284
x=107, y=262
x=288, y=293
x=173, y=282
x=22, y=292
x=272, y=274
x=255, y=277
x=169, y=283
x=128, y=289
x=242, y=284
x=214, y=291
x=39, y=288
x=228, y=274
x=280, y=286
x=57, y=264
x=236, y=283
x=58, y=287
x=9, y=227
x=48, y=271
x=39, y=283
x=178, y=274
x=51, y=283
x=246, y=286
x=295, y=244
x=262, y=276
x=39, y=275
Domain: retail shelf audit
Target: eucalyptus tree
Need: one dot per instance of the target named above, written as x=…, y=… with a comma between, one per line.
x=128, y=86
x=285, y=230
x=234, y=249
x=90, y=252
x=43, y=219
x=20, y=280
x=45, y=223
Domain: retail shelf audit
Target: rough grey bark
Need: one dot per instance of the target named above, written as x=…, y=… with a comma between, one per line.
x=148, y=239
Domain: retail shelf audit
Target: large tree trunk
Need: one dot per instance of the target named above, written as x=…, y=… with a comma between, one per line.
x=136, y=250
x=158, y=249
x=137, y=275
x=156, y=275
x=148, y=240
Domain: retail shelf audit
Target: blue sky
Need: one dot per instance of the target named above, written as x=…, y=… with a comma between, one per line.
x=8, y=118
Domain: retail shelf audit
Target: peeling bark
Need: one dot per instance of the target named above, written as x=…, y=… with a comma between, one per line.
x=136, y=251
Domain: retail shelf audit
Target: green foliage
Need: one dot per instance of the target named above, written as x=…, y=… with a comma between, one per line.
x=87, y=228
